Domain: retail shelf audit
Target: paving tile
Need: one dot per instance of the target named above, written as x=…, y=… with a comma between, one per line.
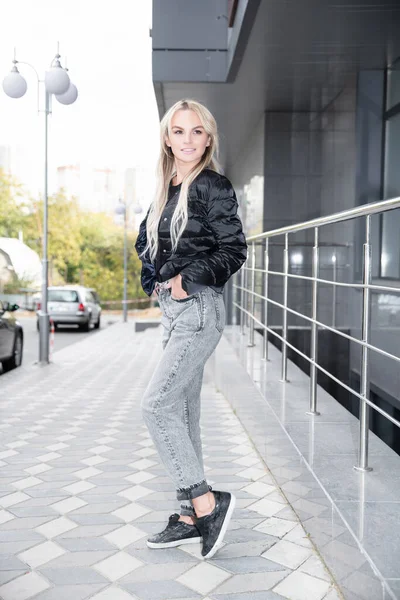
x=246, y=564
x=135, y=492
x=41, y=554
x=131, y=512
x=332, y=595
x=113, y=593
x=266, y=507
x=12, y=548
x=300, y=586
x=297, y=535
x=13, y=499
x=79, y=487
x=66, y=506
x=151, y=556
x=315, y=567
x=70, y=592
x=80, y=559
x=6, y=576
x=259, y=489
x=12, y=563
x=287, y=554
x=275, y=526
x=203, y=577
x=117, y=566
x=75, y=576
x=26, y=483
x=161, y=590
x=253, y=473
x=251, y=582
x=246, y=596
x=88, y=531
x=245, y=535
x=23, y=587
x=5, y=516
x=156, y=572
x=56, y=527
x=140, y=477
x=124, y=536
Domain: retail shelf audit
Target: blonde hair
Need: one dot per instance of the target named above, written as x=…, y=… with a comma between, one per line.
x=166, y=170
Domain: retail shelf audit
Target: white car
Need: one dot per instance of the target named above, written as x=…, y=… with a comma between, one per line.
x=73, y=305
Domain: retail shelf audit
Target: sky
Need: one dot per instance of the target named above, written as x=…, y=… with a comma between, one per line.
x=107, y=47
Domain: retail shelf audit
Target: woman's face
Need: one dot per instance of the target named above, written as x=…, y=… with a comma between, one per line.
x=188, y=139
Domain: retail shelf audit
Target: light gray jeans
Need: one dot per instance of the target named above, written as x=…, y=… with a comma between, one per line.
x=192, y=328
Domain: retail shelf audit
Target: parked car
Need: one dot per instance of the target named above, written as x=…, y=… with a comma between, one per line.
x=11, y=337
x=73, y=305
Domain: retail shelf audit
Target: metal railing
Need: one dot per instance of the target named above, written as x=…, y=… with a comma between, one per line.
x=245, y=301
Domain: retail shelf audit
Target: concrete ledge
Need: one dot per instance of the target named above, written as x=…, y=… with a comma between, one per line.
x=146, y=324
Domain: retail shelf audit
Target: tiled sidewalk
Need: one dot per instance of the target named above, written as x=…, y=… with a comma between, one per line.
x=81, y=488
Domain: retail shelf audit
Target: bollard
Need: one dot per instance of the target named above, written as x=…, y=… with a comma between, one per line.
x=52, y=336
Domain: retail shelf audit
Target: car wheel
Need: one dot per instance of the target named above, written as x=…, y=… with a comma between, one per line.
x=98, y=323
x=16, y=359
x=85, y=326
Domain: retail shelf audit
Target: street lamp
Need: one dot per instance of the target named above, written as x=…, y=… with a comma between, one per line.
x=57, y=82
x=122, y=209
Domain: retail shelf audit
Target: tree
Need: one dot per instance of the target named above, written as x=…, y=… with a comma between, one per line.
x=83, y=247
x=13, y=206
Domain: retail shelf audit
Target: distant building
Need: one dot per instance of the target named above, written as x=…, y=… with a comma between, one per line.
x=96, y=189
x=18, y=260
x=5, y=158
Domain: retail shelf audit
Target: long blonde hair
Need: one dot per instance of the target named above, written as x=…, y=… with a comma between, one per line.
x=166, y=170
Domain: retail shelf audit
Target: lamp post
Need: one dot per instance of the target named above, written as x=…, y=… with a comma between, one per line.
x=56, y=82
x=122, y=209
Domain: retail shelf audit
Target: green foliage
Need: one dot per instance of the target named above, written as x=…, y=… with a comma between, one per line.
x=84, y=248
x=12, y=206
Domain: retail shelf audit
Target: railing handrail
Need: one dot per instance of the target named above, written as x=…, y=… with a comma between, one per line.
x=344, y=215
x=248, y=294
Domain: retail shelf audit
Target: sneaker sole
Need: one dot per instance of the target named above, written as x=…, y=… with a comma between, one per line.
x=173, y=544
x=224, y=527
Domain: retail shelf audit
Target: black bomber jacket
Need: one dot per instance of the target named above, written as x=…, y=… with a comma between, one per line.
x=212, y=246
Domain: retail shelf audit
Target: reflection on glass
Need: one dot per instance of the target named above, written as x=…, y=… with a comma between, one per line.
x=390, y=256
x=393, y=95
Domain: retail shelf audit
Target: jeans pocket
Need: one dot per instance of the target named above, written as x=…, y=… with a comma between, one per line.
x=180, y=300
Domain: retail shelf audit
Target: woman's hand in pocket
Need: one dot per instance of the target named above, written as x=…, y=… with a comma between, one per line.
x=176, y=288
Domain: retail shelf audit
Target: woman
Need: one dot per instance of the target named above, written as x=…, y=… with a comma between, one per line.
x=190, y=244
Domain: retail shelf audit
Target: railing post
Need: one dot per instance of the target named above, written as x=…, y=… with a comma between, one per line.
x=366, y=331
x=285, y=298
x=253, y=298
x=242, y=301
x=266, y=261
x=314, y=327
x=334, y=260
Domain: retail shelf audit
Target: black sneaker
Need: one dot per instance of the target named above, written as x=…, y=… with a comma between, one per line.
x=176, y=533
x=213, y=527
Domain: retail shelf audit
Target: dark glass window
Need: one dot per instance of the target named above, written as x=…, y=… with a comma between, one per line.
x=390, y=221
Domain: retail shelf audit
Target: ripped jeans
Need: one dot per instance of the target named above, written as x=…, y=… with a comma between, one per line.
x=192, y=328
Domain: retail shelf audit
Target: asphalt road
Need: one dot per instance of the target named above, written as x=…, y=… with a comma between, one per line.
x=64, y=336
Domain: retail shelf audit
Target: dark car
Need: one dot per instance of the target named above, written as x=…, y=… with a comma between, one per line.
x=11, y=337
